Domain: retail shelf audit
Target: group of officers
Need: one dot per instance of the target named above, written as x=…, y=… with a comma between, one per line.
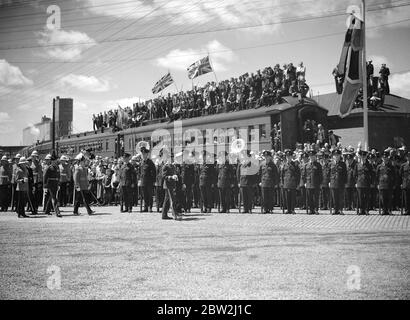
x=311, y=179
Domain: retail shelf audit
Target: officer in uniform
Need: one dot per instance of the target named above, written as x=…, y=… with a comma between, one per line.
x=363, y=179
x=245, y=176
x=14, y=168
x=405, y=183
x=134, y=163
x=324, y=187
x=304, y=159
x=50, y=184
x=65, y=177
x=350, y=182
x=312, y=178
x=30, y=194
x=147, y=176
x=80, y=178
x=169, y=178
x=46, y=195
x=290, y=177
x=338, y=177
x=159, y=195
x=129, y=179
x=21, y=180
x=37, y=180
x=269, y=176
x=188, y=177
x=373, y=184
x=225, y=183
x=385, y=177
x=5, y=178
x=207, y=179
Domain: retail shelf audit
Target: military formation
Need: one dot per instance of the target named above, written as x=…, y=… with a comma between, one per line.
x=309, y=178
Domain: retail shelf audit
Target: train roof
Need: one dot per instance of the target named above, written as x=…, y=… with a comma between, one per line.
x=392, y=104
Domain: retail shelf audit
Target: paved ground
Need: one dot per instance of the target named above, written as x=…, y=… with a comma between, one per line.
x=221, y=256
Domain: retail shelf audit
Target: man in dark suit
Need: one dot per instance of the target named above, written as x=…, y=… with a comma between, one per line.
x=312, y=177
x=50, y=184
x=188, y=177
x=325, y=192
x=290, y=177
x=338, y=177
x=269, y=177
x=147, y=176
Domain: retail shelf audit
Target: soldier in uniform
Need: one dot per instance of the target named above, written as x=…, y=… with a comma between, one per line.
x=80, y=177
x=188, y=177
x=50, y=184
x=373, y=184
x=129, y=179
x=169, y=178
x=350, y=182
x=290, y=177
x=338, y=177
x=225, y=183
x=269, y=177
x=46, y=195
x=159, y=194
x=5, y=178
x=134, y=163
x=65, y=177
x=405, y=183
x=245, y=177
x=304, y=159
x=324, y=187
x=14, y=168
x=147, y=176
x=363, y=179
x=21, y=180
x=385, y=177
x=312, y=178
x=207, y=178
x=30, y=194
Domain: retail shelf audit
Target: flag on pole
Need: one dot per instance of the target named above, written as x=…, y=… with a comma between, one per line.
x=350, y=66
x=162, y=83
x=199, y=68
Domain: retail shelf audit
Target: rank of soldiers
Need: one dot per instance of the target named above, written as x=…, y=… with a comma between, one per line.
x=310, y=179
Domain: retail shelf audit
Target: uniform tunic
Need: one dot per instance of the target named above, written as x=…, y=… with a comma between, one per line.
x=269, y=177
x=338, y=177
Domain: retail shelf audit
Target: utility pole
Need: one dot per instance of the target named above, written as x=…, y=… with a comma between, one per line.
x=364, y=75
x=53, y=129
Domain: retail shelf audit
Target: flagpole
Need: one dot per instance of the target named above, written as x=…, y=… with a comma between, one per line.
x=213, y=69
x=364, y=75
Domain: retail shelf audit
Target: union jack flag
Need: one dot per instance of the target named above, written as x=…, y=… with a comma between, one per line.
x=162, y=83
x=199, y=68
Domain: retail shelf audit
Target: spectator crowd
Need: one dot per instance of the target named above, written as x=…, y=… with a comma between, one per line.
x=248, y=91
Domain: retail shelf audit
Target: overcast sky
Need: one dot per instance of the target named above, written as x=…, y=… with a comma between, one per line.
x=109, y=52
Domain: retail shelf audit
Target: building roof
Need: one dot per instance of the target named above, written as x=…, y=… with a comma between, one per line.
x=392, y=104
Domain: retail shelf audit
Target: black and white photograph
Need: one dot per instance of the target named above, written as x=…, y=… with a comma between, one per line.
x=204, y=156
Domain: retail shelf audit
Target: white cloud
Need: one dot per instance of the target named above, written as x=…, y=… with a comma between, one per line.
x=11, y=76
x=181, y=59
x=85, y=83
x=4, y=117
x=123, y=102
x=400, y=84
x=24, y=107
x=65, y=45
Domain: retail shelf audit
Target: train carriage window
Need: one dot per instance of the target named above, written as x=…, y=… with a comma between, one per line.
x=262, y=131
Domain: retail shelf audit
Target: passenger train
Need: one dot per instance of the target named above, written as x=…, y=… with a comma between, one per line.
x=211, y=132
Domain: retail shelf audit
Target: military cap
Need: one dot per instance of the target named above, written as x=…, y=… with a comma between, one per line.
x=266, y=153
x=362, y=153
x=288, y=152
x=312, y=152
x=22, y=160
x=48, y=157
x=34, y=153
x=79, y=157
x=4, y=158
x=17, y=156
x=336, y=151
